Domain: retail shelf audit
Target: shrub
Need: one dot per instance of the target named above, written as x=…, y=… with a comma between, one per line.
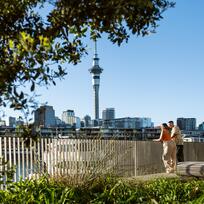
x=32, y=191
x=175, y=190
x=104, y=189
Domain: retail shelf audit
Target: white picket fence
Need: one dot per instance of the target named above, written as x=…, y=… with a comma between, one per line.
x=66, y=156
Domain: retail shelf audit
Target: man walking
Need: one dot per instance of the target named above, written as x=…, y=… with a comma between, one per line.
x=176, y=135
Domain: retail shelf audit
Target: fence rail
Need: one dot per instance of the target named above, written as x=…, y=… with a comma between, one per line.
x=78, y=156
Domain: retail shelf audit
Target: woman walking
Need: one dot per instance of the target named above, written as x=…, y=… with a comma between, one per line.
x=169, y=149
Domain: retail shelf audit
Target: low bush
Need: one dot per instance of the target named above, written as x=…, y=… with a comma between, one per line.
x=104, y=189
x=175, y=190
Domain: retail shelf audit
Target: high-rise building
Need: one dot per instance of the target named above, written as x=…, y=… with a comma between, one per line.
x=186, y=123
x=201, y=126
x=12, y=121
x=96, y=70
x=108, y=114
x=77, y=122
x=2, y=123
x=87, y=121
x=68, y=117
x=45, y=116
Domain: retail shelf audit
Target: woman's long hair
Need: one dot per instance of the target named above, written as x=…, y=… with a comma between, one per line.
x=165, y=126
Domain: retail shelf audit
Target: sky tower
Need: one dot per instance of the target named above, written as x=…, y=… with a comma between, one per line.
x=96, y=70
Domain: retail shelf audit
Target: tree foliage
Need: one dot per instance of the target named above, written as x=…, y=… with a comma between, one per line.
x=33, y=42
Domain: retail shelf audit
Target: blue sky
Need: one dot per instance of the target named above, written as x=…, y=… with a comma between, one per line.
x=158, y=76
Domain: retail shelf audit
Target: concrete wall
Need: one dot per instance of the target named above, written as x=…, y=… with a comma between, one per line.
x=148, y=156
x=194, y=151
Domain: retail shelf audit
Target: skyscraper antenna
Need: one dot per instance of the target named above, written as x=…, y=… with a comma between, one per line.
x=95, y=47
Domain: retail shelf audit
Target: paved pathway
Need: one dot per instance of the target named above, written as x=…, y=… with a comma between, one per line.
x=156, y=176
x=153, y=176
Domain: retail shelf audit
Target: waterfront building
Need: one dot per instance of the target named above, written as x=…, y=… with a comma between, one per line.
x=193, y=135
x=128, y=123
x=186, y=123
x=146, y=123
x=45, y=116
x=108, y=114
x=95, y=71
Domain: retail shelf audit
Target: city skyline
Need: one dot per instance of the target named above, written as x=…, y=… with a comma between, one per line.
x=158, y=76
x=46, y=114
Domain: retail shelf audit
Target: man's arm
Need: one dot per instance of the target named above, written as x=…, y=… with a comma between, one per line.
x=173, y=132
